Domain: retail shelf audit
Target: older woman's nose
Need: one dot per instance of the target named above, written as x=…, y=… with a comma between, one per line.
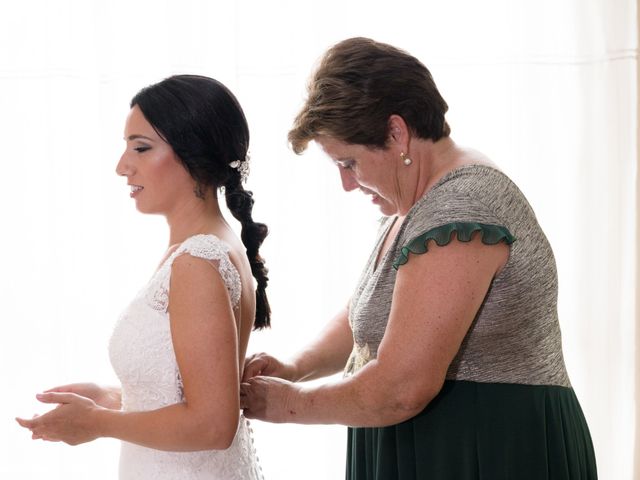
x=348, y=182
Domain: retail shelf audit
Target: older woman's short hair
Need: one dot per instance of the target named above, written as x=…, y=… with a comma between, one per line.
x=357, y=86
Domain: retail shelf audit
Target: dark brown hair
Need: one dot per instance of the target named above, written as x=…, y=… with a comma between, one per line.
x=358, y=85
x=204, y=124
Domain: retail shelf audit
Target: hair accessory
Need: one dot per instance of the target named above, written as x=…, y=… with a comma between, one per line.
x=242, y=166
x=406, y=160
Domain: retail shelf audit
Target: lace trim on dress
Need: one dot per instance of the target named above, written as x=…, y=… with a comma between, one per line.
x=491, y=234
x=208, y=247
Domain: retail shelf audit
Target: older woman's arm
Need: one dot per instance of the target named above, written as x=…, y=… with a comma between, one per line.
x=435, y=300
x=326, y=355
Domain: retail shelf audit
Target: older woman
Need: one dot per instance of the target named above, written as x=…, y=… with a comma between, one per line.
x=450, y=344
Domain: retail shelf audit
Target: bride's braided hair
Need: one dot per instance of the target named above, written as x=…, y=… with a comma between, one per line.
x=240, y=204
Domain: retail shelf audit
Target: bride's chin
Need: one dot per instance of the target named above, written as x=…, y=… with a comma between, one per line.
x=146, y=210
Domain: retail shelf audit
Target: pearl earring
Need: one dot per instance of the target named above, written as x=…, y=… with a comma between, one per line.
x=406, y=160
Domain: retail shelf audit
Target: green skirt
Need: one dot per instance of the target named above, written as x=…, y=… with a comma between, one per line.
x=480, y=431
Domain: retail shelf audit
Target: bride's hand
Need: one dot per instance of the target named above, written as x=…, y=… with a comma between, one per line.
x=107, y=397
x=72, y=421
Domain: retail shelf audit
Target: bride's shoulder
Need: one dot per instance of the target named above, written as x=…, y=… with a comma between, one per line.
x=207, y=246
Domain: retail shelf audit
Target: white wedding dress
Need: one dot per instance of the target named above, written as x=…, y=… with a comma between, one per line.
x=142, y=356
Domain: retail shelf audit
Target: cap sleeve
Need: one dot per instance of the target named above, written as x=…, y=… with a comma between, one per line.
x=450, y=211
x=442, y=235
x=207, y=247
x=210, y=247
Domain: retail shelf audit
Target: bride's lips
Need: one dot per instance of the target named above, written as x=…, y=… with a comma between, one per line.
x=135, y=190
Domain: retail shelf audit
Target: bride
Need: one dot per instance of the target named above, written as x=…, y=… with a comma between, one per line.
x=179, y=347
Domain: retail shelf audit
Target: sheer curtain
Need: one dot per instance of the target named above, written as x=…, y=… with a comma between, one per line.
x=637, y=270
x=549, y=89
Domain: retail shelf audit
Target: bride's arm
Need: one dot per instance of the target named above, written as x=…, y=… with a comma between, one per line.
x=204, y=337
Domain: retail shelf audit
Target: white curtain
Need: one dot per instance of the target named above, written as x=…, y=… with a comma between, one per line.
x=547, y=88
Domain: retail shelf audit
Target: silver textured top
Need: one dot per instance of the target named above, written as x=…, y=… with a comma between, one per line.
x=515, y=337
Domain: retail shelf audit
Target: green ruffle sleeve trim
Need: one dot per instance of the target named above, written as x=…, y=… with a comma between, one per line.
x=491, y=234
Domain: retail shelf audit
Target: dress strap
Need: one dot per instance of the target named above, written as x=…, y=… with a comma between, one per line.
x=205, y=246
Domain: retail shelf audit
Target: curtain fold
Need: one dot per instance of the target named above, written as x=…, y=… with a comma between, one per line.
x=637, y=257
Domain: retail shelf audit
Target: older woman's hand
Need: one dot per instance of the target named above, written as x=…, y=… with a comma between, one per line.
x=266, y=365
x=70, y=422
x=270, y=399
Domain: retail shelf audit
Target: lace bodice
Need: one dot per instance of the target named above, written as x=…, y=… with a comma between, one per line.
x=142, y=355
